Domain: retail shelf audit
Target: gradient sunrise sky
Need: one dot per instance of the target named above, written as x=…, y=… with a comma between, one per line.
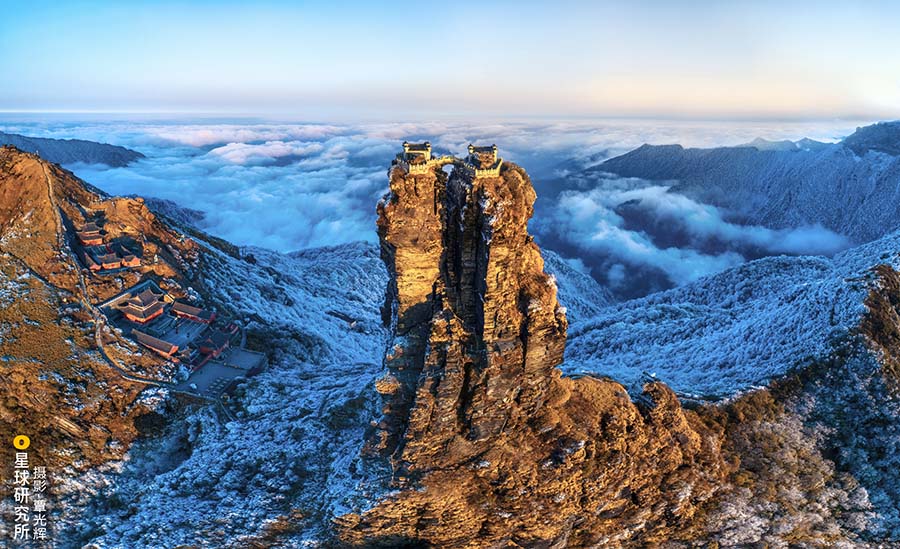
x=382, y=59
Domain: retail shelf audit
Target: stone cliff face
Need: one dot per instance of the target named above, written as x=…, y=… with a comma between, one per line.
x=478, y=328
x=492, y=445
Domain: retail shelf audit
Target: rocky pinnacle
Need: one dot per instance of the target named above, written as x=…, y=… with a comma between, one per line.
x=489, y=444
x=476, y=324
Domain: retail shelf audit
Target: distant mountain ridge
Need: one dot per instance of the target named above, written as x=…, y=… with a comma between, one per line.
x=882, y=137
x=70, y=151
x=806, y=143
x=850, y=187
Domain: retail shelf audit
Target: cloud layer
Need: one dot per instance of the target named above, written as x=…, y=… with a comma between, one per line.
x=629, y=223
x=288, y=186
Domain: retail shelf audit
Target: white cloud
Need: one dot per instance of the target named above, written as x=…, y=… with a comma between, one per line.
x=203, y=135
x=589, y=221
x=705, y=221
x=265, y=153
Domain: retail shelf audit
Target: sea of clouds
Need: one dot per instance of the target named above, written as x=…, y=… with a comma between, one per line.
x=288, y=186
x=636, y=236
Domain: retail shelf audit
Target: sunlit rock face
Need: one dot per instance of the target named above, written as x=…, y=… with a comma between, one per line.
x=489, y=444
x=478, y=329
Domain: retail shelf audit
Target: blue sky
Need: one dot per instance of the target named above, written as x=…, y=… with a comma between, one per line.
x=378, y=59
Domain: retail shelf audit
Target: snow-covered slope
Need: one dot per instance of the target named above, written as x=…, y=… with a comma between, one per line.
x=175, y=212
x=882, y=137
x=70, y=151
x=734, y=330
x=580, y=294
x=852, y=187
x=293, y=448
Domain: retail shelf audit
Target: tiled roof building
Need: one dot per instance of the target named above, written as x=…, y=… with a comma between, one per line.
x=143, y=307
x=196, y=314
x=155, y=344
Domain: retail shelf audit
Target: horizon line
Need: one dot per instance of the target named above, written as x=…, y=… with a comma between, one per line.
x=408, y=117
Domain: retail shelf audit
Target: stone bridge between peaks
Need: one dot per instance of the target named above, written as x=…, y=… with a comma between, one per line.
x=416, y=158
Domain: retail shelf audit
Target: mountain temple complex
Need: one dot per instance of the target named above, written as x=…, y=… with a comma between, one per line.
x=482, y=161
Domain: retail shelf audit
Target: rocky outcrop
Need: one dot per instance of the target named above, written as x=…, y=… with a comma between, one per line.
x=475, y=318
x=488, y=443
x=881, y=325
